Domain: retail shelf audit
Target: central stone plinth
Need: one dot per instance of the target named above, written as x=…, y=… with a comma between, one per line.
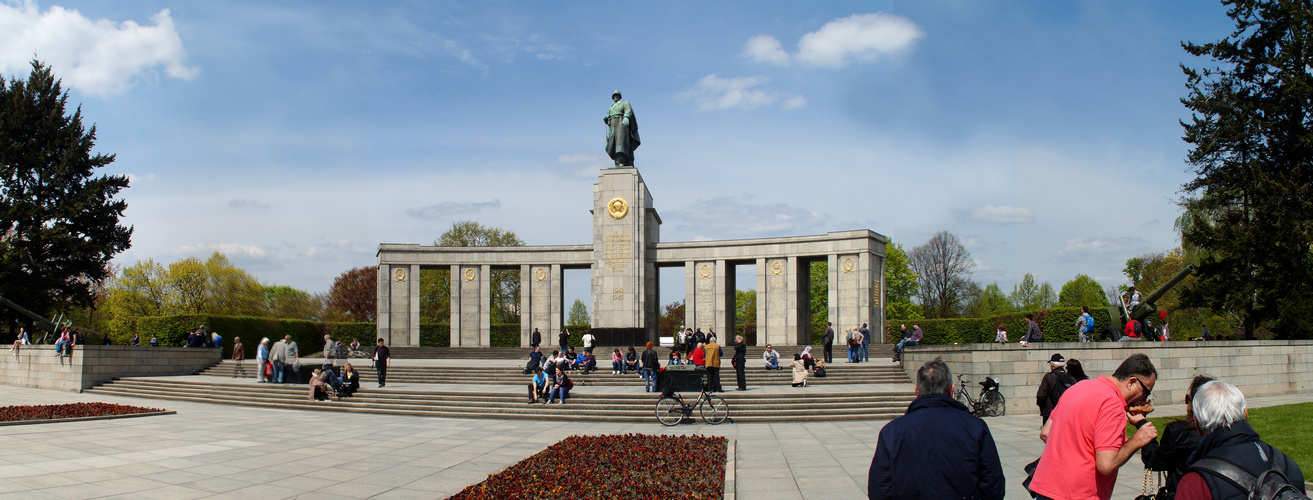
x=625, y=226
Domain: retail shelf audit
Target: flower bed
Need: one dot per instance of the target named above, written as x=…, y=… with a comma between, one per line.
x=616, y=466
x=68, y=411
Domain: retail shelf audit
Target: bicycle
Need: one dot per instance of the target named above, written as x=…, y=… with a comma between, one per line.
x=990, y=403
x=671, y=408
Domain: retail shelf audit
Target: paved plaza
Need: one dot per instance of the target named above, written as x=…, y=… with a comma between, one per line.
x=215, y=451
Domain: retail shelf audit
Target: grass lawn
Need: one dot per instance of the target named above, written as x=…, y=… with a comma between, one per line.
x=1288, y=427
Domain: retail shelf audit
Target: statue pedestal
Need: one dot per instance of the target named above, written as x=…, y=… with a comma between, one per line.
x=623, y=282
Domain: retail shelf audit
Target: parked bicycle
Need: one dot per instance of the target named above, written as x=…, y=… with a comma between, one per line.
x=671, y=408
x=990, y=403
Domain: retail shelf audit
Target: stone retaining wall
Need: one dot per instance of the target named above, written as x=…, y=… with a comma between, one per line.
x=37, y=366
x=1257, y=367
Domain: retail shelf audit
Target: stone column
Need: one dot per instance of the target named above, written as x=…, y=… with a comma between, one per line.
x=413, y=334
x=540, y=294
x=485, y=305
x=761, y=299
x=473, y=306
x=621, y=203
x=384, y=313
x=526, y=322
x=399, y=302
x=705, y=297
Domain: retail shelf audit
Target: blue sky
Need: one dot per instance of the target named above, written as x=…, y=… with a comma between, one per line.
x=297, y=136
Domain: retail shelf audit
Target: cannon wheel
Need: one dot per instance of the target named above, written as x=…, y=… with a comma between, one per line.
x=1112, y=334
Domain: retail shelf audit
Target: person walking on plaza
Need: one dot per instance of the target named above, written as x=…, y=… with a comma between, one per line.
x=650, y=365
x=938, y=449
x=1085, y=325
x=382, y=361
x=239, y=355
x=1051, y=387
x=740, y=359
x=712, y=350
x=828, y=342
x=1085, y=438
x=866, y=342
x=1231, y=448
x=278, y=358
x=771, y=357
x=536, y=339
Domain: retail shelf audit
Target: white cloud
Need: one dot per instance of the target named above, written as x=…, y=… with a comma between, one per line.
x=134, y=179
x=229, y=249
x=859, y=37
x=1093, y=247
x=94, y=56
x=242, y=203
x=1006, y=214
x=713, y=93
x=584, y=165
x=765, y=49
x=736, y=218
x=448, y=209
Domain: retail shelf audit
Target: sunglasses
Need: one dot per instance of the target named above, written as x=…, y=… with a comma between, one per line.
x=1147, y=392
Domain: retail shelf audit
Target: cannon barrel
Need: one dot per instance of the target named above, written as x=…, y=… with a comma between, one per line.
x=1148, y=307
x=42, y=322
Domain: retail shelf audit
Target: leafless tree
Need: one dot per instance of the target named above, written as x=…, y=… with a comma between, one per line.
x=945, y=269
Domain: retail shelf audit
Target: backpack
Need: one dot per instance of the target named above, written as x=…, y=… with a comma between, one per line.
x=1089, y=323
x=1065, y=381
x=1272, y=484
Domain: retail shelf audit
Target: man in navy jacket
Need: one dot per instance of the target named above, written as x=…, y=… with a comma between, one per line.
x=937, y=449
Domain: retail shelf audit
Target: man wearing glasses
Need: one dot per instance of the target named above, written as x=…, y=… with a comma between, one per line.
x=1085, y=437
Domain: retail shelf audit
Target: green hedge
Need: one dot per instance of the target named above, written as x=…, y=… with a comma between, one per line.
x=308, y=335
x=505, y=335
x=435, y=335
x=1058, y=325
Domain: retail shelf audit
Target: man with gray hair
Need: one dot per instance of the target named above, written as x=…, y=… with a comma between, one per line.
x=938, y=449
x=1051, y=387
x=1230, y=460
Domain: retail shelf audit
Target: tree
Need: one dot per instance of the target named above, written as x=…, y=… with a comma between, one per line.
x=1025, y=294
x=990, y=302
x=745, y=307
x=671, y=319
x=900, y=284
x=578, y=314
x=434, y=295
x=944, y=266
x=819, y=293
x=354, y=295
x=1082, y=291
x=1251, y=150
x=1046, y=298
x=59, y=222
x=287, y=302
x=505, y=282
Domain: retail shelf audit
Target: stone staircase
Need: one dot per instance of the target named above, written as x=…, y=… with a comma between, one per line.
x=841, y=373
x=806, y=404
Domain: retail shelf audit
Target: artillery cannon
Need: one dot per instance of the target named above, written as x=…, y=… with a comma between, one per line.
x=1119, y=315
x=41, y=322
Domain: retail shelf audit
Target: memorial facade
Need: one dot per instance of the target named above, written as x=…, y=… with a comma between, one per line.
x=623, y=259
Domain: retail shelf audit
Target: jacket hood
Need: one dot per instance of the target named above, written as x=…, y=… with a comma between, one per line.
x=935, y=401
x=1239, y=432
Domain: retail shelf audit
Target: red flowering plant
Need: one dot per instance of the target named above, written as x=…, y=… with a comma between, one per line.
x=629, y=466
x=75, y=410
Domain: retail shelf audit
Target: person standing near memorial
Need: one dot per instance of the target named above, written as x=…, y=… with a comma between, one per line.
x=239, y=355
x=1051, y=387
x=261, y=359
x=712, y=350
x=278, y=358
x=828, y=342
x=564, y=338
x=1085, y=437
x=938, y=449
x=382, y=361
x=649, y=368
x=536, y=339
x=740, y=359
x=294, y=356
x=1230, y=443
x=1085, y=325
x=621, y=131
x=589, y=342
x=866, y=342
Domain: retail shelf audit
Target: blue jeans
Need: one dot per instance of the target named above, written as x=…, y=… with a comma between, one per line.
x=772, y=364
x=278, y=372
x=865, y=355
x=618, y=366
x=59, y=347
x=649, y=379
x=904, y=343
x=558, y=392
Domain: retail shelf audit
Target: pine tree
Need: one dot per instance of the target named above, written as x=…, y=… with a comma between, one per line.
x=59, y=221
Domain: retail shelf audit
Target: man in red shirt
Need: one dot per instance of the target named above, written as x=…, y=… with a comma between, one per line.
x=1085, y=437
x=699, y=356
x=1129, y=335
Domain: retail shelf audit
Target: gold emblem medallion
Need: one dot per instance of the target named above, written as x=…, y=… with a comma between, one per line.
x=540, y=274
x=399, y=274
x=469, y=274
x=617, y=208
x=705, y=270
x=848, y=264
x=776, y=268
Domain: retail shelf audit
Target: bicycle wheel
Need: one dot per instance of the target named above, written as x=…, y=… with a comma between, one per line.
x=963, y=398
x=993, y=403
x=669, y=411
x=714, y=410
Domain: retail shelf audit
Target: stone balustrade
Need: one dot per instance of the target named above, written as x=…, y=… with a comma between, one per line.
x=37, y=366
